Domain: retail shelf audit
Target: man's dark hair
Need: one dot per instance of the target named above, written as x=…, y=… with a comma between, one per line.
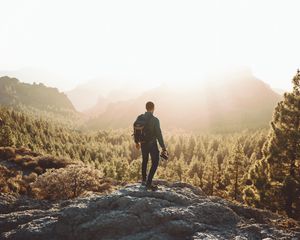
x=149, y=106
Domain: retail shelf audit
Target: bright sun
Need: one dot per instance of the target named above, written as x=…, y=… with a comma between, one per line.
x=157, y=41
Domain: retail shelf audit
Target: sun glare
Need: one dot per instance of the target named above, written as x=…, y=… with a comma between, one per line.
x=172, y=42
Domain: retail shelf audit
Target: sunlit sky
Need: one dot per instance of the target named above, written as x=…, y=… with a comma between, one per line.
x=155, y=41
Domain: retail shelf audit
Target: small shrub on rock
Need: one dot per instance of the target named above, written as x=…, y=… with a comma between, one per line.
x=12, y=181
x=66, y=183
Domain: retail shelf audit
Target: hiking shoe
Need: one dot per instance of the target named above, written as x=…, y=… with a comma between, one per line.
x=143, y=183
x=152, y=187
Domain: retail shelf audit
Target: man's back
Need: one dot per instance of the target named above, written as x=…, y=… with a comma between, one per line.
x=153, y=129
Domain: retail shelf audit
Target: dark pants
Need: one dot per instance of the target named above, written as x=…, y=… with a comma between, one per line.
x=152, y=149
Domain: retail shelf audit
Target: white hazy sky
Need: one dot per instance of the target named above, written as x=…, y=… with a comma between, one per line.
x=151, y=40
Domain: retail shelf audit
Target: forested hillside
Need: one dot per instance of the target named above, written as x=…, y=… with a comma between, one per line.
x=38, y=100
x=207, y=161
x=14, y=93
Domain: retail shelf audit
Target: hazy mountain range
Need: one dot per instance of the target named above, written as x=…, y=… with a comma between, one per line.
x=228, y=102
x=223, y=103
x=93, y=96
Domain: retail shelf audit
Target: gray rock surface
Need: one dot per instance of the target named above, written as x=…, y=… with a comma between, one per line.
x=175, y=211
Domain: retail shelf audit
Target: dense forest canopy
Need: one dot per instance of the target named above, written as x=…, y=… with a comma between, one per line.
x=206, y=160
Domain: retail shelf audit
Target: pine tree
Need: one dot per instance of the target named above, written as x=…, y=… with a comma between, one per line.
x=6, y=136
x=121, y=169
x=196, y=169
x=211, y=174
x=258, y=190
x=235, y=169
x=282, y=153
x=135, y=170
x=179, y=167
x=190, y=149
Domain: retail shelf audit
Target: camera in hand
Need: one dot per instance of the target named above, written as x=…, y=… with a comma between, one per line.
x=164, y=155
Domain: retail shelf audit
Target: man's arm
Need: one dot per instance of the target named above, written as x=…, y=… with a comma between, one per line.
x=158, y=135
x=135, y=140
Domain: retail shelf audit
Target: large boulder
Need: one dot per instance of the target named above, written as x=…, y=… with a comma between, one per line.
x=175, y=211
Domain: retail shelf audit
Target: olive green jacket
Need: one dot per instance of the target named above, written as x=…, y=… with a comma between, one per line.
x=154, y=130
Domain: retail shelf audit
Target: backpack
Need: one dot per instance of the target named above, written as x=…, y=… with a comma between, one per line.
x=140, y=131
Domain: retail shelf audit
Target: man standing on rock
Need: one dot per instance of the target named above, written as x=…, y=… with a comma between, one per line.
x=146, y=133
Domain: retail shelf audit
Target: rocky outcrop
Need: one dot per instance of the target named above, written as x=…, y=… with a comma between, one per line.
x=175, y=211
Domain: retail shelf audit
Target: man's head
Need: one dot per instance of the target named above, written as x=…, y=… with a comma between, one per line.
x=150, y=107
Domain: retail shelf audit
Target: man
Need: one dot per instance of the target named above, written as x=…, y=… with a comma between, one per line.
x=149, y=145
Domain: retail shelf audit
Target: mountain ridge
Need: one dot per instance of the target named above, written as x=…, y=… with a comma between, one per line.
x=13, y=92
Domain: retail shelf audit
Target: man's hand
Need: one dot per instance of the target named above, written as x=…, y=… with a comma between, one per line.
x=137, y=145
x=164, y=154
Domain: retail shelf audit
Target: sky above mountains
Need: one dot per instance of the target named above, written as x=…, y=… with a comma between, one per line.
x=65, y=43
